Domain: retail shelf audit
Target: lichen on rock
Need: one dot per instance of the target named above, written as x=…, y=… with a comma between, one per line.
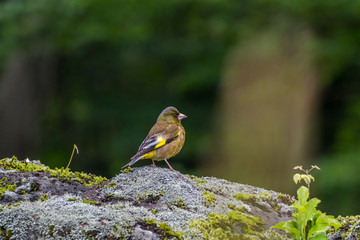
x=139, y=203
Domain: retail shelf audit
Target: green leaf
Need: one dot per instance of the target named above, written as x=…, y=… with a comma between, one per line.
x=320, y=236
x=320, y=224
x=306, y=178
x=308, y=222
x=310, y=208
x=291, y=227
x=280, y=225
x=311, y=177
x=297, y=178
x=303, y=195
x=334, y=223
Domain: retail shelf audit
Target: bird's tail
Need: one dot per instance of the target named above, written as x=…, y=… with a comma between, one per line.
x=134, y=159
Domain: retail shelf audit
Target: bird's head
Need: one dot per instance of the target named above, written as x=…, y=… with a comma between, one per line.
x=171, y=115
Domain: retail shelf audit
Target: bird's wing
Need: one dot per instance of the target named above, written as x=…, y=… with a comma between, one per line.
x=159, y=135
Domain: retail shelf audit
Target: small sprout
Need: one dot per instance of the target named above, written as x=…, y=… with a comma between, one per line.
x=72, y=154
x=307, y=178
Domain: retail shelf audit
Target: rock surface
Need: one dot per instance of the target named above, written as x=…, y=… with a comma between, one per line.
x=140, y=203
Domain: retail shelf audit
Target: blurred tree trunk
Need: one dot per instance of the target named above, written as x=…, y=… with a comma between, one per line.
x=266, y=117
x=25, y=85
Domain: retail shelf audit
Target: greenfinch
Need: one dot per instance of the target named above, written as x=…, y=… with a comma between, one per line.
x=165, y=138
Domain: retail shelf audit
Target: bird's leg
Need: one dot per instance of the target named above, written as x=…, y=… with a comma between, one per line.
x=169, y=165
x=153, y=163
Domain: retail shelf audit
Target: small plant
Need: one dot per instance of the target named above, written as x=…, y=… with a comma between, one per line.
x=307, y=178
x=308, y=223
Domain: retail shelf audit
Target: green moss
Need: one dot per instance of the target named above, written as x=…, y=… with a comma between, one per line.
x=235, y=208
x=128, y=169
x=234, y=225
x=209, y=198
x=115, y=229
x=51, y=230
x=150, y=197
x=111, y=185
x=91, y=202
x=5, y=234
x=34, y=187
x=110, y=196
x=71, y=199
x=119, y=207
x=350, y=226
x=17, y=204
x=245, y=197
x=197, y=180
x=264, y=196
x=44, y=197
x=6, y=186
x=23, y=192
x=91, y=234
x=3, y=180
x=166, y=231
x=11, y=187
x=154, y=211
x=287, y=199
x=180, y=203
x=63, y=174
x=66, y=175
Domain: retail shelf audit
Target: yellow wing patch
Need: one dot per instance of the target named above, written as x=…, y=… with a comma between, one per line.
x=161, y=142
x=149, y=155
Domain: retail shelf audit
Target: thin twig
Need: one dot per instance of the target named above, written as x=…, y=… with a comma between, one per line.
x=72, y=154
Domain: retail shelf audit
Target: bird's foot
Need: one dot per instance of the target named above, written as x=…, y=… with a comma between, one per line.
x=171, y=169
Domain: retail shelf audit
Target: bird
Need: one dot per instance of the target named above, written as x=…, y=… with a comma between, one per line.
x=164, y=140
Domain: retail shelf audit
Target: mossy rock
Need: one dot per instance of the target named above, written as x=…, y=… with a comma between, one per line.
x=139, y=203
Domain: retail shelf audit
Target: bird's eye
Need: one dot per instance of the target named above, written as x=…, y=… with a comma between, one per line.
x=175, y=115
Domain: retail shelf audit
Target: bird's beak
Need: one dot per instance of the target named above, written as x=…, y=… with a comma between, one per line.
x=182, y=116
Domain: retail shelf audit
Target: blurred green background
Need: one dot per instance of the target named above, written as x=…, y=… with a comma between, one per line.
x=266, y=85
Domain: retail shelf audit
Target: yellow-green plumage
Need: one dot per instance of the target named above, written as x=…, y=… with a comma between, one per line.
x=165, y=139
